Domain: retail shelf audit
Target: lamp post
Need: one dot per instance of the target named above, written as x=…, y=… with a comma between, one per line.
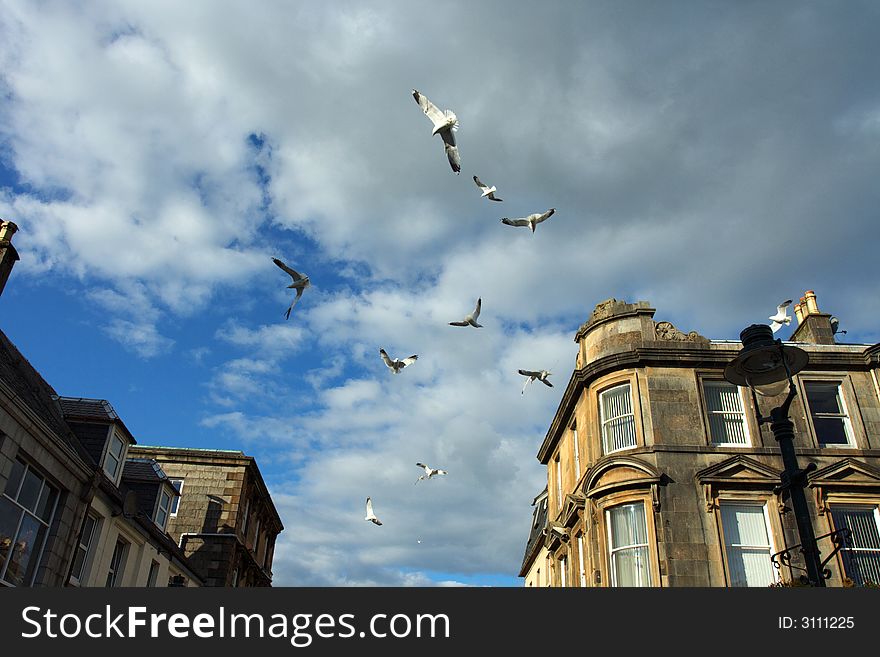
x=766, y=366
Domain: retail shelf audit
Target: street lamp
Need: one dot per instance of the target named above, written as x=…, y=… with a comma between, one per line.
x=766, y=366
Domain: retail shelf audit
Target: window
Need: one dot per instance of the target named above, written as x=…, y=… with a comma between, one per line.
x=577, y=455
x=861, y=554
x=117, y=563
x=175, y=503
x=235, y=577
x=618, y=421
x=154, y=573
x=27, y=507
x=628, y=545
x=828, y=412
x=747, y=544
x=724, y=407
x=113, y=457
x=563, y=572
x=245, y=519
x=82, y=549
x=583, y=571
x=558, y=482
x=257, y=537
x=162, y=507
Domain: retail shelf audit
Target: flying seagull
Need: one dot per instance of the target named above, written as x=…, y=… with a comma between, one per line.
x=397, y=364
x=470, y=319
x=445, y=123
x=531, y=221
x=429, y=472
x=540, y=376
x=300, y=283
x=370, y=515
x=781, y=318
x=835, y=324
x=488, y=192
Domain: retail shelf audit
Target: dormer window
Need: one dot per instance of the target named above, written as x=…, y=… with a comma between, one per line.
x=113, y=457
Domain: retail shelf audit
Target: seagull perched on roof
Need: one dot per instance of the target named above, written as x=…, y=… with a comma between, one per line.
x=471, y=318
x=429, y=472
x=300, y=283
x=488, y=192
x=540, y=376
x=531, y=221
x=370, y=515
x=445, y=123
x=781, y=318
x=397, y=364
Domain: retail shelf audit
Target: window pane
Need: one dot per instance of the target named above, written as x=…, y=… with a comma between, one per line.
x=725, y=411
x=631, y=567
x=861, y=556
x=178, y=486
x=82, y=550
x=10, y=515
x=116, y=446
x=47, y=502
x=830, y=430
x=747, y=545
x=30, y=490
x=823, y=397
x=628, y=525
x=24, y=549
x=14, y=479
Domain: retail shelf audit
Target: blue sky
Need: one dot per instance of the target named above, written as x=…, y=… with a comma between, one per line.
x=711, y=158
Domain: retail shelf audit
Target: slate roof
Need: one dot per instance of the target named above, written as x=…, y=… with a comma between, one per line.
x=92, y=410
x=536, y=534
x=143, y=470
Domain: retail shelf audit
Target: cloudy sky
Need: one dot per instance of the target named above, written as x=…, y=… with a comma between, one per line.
x=712, y=158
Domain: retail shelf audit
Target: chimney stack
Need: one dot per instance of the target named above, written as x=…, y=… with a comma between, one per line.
x=813, y=326
x=8, y=254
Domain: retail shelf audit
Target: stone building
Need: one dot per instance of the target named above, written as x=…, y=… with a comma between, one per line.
x=535, y=562
x=224, y=519
x=659, y=473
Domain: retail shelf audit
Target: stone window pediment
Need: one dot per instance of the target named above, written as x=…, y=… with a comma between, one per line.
x=737, y=472
x=848, y=477
x=621, y=473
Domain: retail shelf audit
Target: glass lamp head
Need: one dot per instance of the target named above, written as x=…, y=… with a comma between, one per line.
x=765, y=365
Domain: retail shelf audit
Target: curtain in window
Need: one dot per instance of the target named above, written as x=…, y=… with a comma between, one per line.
x=747, y=545
x=726, y=422
x=618, y=423
x=628, y=535
x=861, y=556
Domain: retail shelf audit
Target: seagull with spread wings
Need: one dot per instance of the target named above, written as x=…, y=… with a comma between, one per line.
x=300, y=283
x=471, y=318
x=531, y=221
x=488, y=192
x=540, y=376
x=429, y=472
x=370, y=515
x=781, y=318
x=445, y=124
x=397, y=364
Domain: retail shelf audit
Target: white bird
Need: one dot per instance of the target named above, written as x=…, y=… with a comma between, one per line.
x=531, y=221
x=445, y=123
x=471, y=318
x=397, y=364
x=429, y=472
x=540, y=376
x=781, y=318
x=488, y=192
x=370, y=515
x=300, y=283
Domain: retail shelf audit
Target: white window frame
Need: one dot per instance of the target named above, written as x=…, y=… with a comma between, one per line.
x=612, y=551
x=845, y=553
x=558, y=462
x=583, y=571
x=165, y=509
x=577, y=453
x=175, y=502
x=843, y=415
x=153, y=575
x=717, y=383
x=563, y=571
x=768, y=529
x=84, y=546
x=108, y=454
x=116, y=569
x=605, y=422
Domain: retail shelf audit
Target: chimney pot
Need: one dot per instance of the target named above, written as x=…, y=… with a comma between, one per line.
x=7, y=230
x=799, y=312
x=812, y=306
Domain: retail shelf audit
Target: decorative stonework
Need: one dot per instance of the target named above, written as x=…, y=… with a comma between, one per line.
x=667, y=331
x=603, y=310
